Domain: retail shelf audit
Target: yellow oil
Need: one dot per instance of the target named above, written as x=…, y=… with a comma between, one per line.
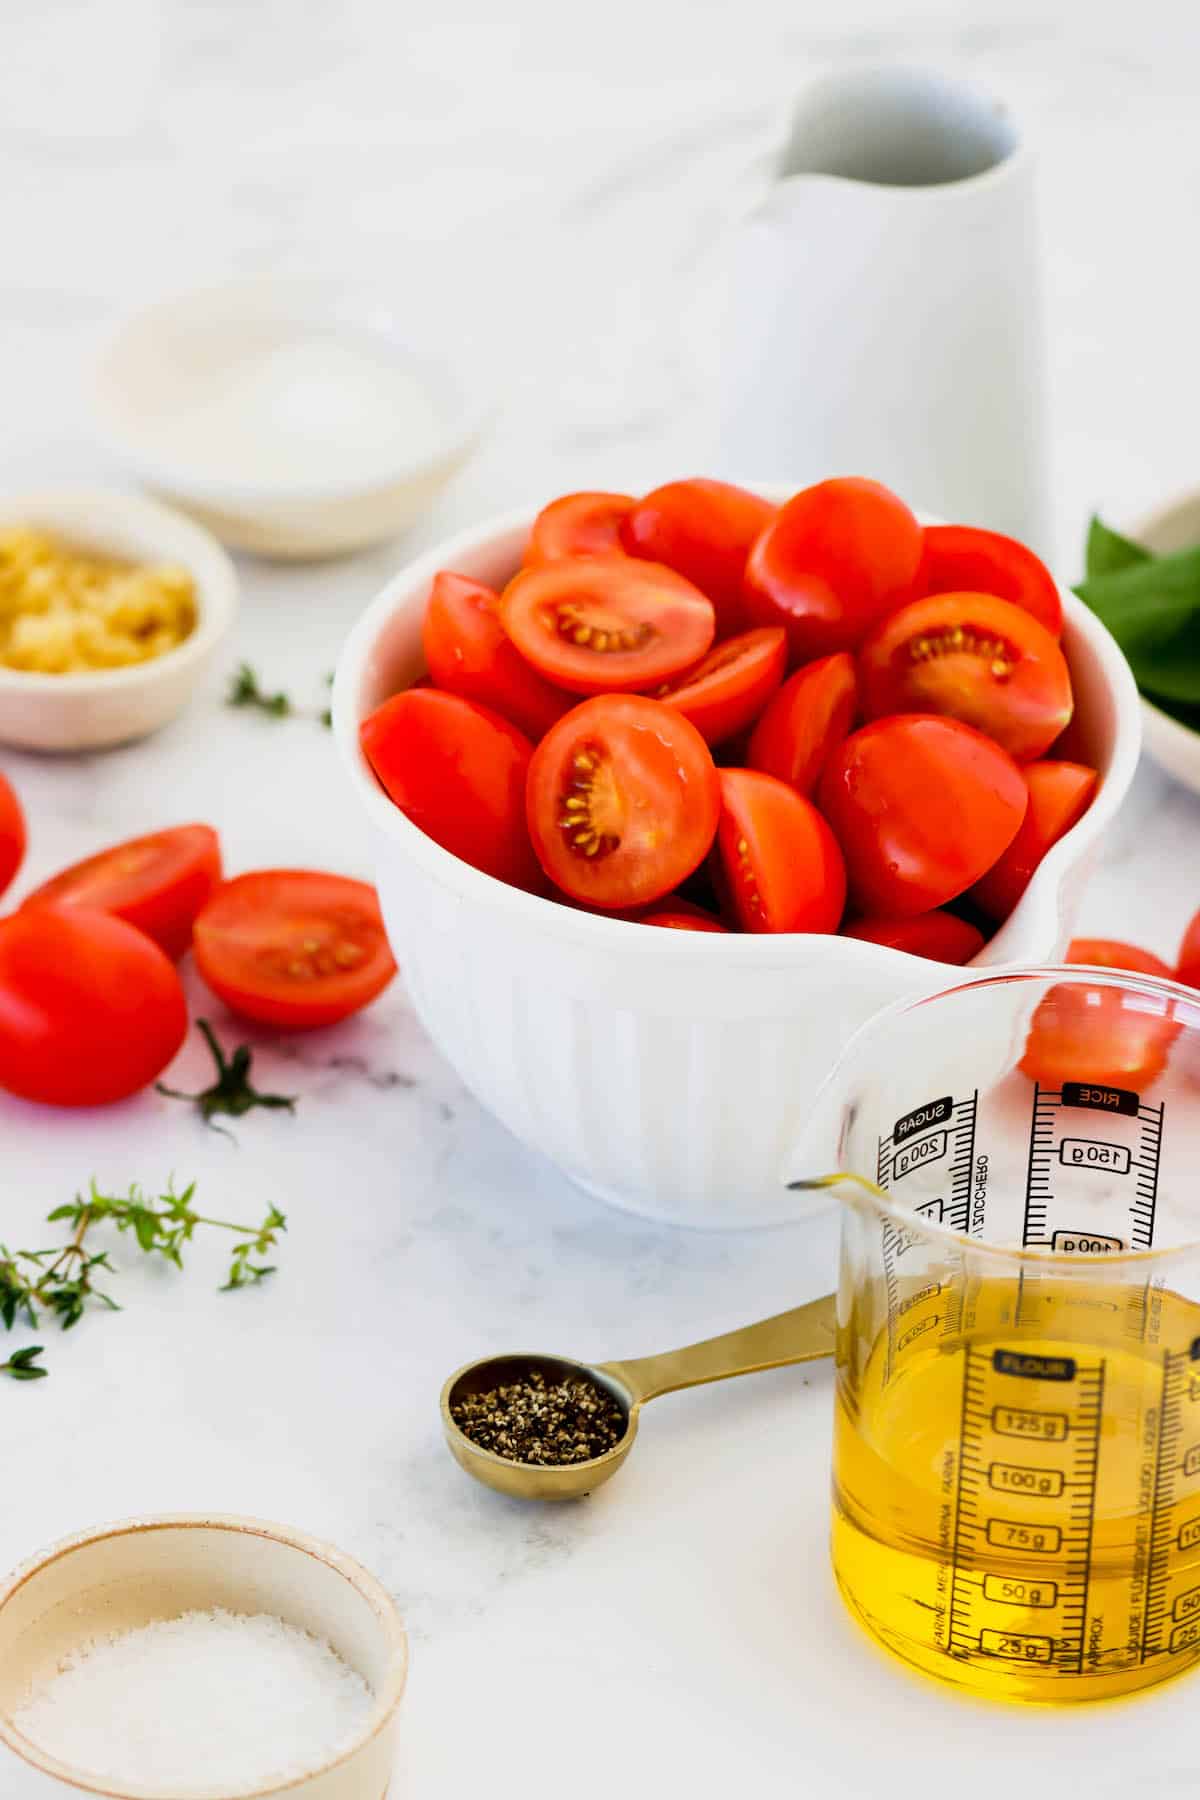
x=1017, y=1485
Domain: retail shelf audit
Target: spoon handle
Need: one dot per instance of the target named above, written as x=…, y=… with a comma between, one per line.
x=802, y=1335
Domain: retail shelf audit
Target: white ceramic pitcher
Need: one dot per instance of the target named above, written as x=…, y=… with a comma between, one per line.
x=886, y=313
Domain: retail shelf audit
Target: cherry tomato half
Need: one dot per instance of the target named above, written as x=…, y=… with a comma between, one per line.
x=1189, y=954
x=834, y=559
x=578, y=525
x=939, y=936
x=974, y=658
x=293, y=948
x=607, y=625
x=681, y=915
x=622, y=801
x=12, y=833
x=921, y=807
x=779, y=862
x=1059, y=795
x=705, y=530
x=729, y=686
x=90, y=1009
x=469, y=653
x=960, y=559
x=458, y=771
x=1101, y=1036
x=806, y=721
x=157, y=883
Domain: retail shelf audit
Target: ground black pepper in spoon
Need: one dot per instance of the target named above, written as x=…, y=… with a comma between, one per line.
x=548, y=1424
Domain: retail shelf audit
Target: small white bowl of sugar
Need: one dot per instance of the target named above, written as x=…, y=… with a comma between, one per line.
x=295, y=417
x=198, y=1658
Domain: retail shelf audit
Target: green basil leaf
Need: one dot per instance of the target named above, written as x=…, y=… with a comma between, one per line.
x=1108, y=552
x=1152, y=608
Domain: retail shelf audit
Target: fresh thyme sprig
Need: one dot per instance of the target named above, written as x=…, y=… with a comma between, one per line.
x=62, y=1281
x=244, y=690
x=231, y=1092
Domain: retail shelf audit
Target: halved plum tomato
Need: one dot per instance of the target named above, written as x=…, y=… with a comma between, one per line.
x=1189, y=955
x=962, y=559
x=457, y=770
x=779, y=862
x=833, y=560
x=157, y=883
x=469, y=653
x=806, y=721
x=293, y=948
x=578, y=525
x=939, y=936
x=12, y=833
x=705, y=530
x=974, y=658
x=1100, y=1036
x=681, y=915
x=729, y=686
x=1059, y=795
x=622, y=801
x=921, y=807
x=607, y=624
x=90, y=1009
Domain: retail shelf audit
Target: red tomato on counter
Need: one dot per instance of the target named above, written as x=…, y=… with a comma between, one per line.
x=729, y=687
x=156, y=883
x=779, y=862
x=921, y=807
x=940, y=936
x=1059, y=795
x=1101, y=1036
x=622, y=801
x=12, y=833
x=90, y=1008
x=458, y=771
x=607, y=625
x=834, y=559
x=293, y=948
x=1189, y=955
x=805, y=722
x=963, y=559
x=705, y=530
x=578, y=525
x=469, y=653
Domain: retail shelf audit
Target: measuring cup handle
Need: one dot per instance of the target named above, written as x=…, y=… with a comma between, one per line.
x=802, y=1335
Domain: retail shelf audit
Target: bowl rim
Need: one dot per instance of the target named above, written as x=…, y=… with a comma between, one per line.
x=1162, y=726
x=366, y=1585
x=320, y=297
x=407, y=588
x=212, y=571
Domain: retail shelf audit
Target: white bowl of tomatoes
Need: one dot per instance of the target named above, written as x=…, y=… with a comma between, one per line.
x=797, y=730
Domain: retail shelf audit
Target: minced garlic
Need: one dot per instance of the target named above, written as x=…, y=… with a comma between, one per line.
x=64, y=610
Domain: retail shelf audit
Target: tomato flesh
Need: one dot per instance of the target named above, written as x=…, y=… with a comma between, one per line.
x=12, y=833
x=972, y=658
x=1101, y=1036
x=939, y=936
x=834, y=559
x=779, y=862
x=805, y=721
x=922, y=807
x=156, y=883
x=1059, y=795
x=469, y=653
x=578, y=525
x=293, y=948
x=615, y=625
x=457, y=770
x=961, y=559
x=705, y=530
x=622, y=801
x=90, y=1008
x=729, y=687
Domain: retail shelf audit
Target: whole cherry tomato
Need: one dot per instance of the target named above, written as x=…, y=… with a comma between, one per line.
x=12, y=833
x=805, y=721
x=779, y=862
x=729, y=686
x=158, y=883
x=578, y=525
x=1098, y=1036
x=469, y=653
x=1189, y=954
x=705, y=530
x=921, y=807
x=1059, y=795
x=607, y=624
x=940, y=936
x=961, y=559
x=835, y=559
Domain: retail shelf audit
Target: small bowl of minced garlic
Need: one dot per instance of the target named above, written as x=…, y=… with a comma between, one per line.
x=111, y=607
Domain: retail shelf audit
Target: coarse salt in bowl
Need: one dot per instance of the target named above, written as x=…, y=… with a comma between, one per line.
x=672, y=1073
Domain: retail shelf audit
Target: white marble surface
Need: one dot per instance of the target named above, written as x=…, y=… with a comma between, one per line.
x=559, y=183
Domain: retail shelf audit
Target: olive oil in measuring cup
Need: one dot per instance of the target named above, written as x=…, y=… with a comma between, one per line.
x=1016, y=1473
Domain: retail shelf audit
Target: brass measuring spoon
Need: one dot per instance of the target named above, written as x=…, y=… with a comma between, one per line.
x=804, y=1334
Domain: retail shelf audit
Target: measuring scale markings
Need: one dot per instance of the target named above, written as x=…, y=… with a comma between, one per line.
x=1129, y=1152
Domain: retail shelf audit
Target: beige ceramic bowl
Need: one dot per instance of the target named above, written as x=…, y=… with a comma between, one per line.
x=127, y=1575
x=94, y=710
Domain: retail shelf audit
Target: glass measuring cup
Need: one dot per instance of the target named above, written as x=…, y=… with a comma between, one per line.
x=1016, y=1476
